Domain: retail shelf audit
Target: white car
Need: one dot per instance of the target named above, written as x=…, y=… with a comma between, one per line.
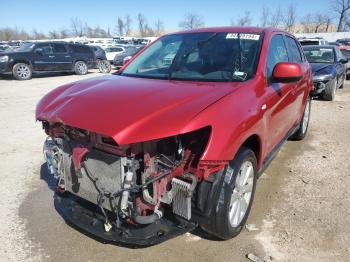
x=112, y=51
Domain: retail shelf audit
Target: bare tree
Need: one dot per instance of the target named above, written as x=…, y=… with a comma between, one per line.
x=307, y=23
x=37, y=35
x=120, y=26
x=77, y=27
x=54, y=34
x=289, y=18
x=191, y=21
x=127, y=25
x=243, y=21
x=340, y=7
x=276, y=17
x=142, y=23
x=265, y=14
x=64, y=33
x=158, y=27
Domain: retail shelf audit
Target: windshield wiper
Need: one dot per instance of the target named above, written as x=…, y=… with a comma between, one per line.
x=199, y=44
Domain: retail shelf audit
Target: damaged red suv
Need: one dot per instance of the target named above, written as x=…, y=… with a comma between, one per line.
x=178, y=137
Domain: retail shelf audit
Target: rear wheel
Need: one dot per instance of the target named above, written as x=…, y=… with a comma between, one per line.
x=236, y=195
x=80, y=68
x=329, y=92
x=104, y=66
x=22, y=71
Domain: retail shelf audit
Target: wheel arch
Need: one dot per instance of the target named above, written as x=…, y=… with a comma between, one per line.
x=253, y=142
x=24, y=61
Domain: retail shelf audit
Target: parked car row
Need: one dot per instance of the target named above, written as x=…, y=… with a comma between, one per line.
x=330, y=65
x=47, y=57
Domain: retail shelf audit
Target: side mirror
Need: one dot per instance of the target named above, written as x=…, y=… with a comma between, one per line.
x=286, y=72
x=343, y=60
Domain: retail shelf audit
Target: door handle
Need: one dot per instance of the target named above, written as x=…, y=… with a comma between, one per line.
x=67, y=56
x=51, y=56
x=263, y=107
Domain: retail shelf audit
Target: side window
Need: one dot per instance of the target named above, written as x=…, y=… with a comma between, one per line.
x=293, y=50
x=118, y=49
x=59, y=48
x=277, y=53
x=47, y=49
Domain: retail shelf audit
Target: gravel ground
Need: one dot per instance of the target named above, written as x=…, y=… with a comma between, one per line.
x=301, y=208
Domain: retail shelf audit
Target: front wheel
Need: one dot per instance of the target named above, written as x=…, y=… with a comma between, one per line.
x=329, y=92
x=22, y=71
x=300, y=133
x=80, y=68
x=236, y=196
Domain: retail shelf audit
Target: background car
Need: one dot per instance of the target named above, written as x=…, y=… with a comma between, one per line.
x=345, y=50
x=328, y=69
x=47, y=57
x=129, y=52
x=112, y=51
x=312, y=41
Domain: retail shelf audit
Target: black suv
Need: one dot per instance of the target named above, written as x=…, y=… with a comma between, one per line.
x=48, y=57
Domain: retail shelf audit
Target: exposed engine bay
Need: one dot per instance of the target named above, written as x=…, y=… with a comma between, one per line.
x=130, y=185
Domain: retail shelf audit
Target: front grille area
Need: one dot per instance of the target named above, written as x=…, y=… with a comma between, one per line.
x=106, y=168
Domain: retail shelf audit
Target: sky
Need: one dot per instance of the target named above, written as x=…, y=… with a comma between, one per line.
x=53, y=14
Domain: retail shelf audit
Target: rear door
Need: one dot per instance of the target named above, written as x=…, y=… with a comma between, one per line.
x=63, y=60
x=280, y=97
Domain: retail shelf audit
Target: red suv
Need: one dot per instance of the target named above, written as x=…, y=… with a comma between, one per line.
x=178, y=137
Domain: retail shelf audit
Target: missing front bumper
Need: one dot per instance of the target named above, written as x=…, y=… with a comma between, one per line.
x=84, y=216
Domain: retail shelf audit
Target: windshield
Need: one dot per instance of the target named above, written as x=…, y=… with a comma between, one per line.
x=113, y=49
x=199, y=56
x=319, y=55
x=26, y=47
x=345, y=52
x=131, y=50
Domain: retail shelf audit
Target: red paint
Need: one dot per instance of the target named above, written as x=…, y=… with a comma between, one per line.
x=77, y=156
x=285, y=70
x=132, y=110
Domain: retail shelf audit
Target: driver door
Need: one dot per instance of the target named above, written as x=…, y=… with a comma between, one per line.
x=43, y=58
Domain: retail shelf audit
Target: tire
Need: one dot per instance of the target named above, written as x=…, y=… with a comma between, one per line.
x=301, y=132
x=343, y=81
x=80, y=68
x=104, y=66
x=22, y=71
x=329, y=92
x=230, y=218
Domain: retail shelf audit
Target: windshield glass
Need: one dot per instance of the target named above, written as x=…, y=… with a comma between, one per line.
x=26, y=47
x=199, y=56
x=319, y=55
x=345, y=52
x=113, y=49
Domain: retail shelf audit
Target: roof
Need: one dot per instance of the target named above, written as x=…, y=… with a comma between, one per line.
x=319, y=46
x=229, y=29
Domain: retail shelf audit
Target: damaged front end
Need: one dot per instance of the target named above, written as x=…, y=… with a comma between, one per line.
x=139, y=194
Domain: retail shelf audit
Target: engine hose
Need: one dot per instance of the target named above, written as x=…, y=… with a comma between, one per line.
x=144, y=220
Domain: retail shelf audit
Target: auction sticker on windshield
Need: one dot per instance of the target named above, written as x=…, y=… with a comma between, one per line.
x=255, y=37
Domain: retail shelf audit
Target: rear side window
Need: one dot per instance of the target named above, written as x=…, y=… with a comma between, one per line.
x=59, y=48
x=293, y=50
x=277, y=53
x=80, y=49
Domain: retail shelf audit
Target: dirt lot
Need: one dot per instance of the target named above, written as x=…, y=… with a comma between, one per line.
x=302, y=205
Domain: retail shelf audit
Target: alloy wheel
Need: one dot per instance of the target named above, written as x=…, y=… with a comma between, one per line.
x=241, y=194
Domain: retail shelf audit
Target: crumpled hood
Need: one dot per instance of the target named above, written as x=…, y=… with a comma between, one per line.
x=321, y=68
x=130, y=109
